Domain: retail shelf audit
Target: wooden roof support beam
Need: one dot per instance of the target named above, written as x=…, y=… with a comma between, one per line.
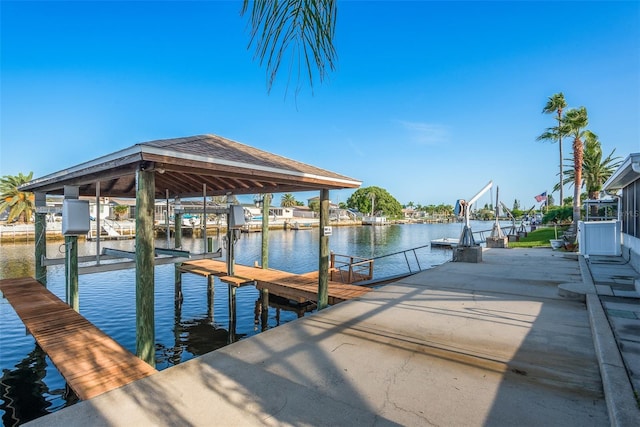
x=109, y=186
x=232, y=183
x=170, y=182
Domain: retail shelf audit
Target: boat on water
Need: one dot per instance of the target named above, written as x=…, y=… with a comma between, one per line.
x=297, y=226
x=445, y=242
x=374, y=220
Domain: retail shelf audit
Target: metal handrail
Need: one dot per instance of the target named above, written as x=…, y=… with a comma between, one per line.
x=360, y=270
x=405, y=257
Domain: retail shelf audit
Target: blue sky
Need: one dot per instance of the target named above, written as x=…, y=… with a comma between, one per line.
x=430, y=100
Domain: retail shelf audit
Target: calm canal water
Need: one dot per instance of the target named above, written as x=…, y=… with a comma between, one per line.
x=31, y=386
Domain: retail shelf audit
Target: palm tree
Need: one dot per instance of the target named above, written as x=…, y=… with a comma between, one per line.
x=20, y=204
x=575, y=122
x=596, y=170
x=302, y=30
x=120, y=211
x=555, y=104
x=287, y=200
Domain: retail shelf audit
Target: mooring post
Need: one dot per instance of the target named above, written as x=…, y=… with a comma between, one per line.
x=168, y=220
x=264, y=313
x=71, y=271
x=266, y=202
x=98, y=229
x=177, y=233
x=41, y=237
x=177, y=293
x=232, y=313
x=210, y=296
x=323, y=262
x=177, y=331
x=204, y=217
x=230, y=245
x=145, y=322
x=71, y=256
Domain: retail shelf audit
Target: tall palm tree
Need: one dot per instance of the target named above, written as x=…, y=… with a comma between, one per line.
x=575, y=122
x=20, y=204
x=596, y=170
x=555, y=104
x=287, y=200
x=300, y=29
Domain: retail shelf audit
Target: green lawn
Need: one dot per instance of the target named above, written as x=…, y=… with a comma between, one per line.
x=538, y=238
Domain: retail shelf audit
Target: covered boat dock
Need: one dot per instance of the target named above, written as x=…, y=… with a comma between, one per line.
x=196, y=166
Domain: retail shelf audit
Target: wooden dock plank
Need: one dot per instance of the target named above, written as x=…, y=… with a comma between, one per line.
x=90, y=361
x=298, y=287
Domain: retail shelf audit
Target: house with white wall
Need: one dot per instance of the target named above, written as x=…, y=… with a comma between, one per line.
x=624, y=184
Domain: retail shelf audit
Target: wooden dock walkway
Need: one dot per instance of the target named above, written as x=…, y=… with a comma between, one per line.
x=297, y=287
x=90, y=361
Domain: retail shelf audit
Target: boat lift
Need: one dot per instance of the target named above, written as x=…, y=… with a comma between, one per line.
x=496, y=231
x=466, y=238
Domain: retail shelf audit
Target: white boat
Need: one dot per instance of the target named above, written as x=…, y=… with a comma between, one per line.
x=374, y=220
x=445, y=242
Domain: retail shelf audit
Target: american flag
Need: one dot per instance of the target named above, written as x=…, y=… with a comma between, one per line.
x=541, y=197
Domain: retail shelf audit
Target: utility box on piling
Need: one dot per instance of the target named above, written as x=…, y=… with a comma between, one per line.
x=75, y=217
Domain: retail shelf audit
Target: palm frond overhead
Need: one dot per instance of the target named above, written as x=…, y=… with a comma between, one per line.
x=302, y=30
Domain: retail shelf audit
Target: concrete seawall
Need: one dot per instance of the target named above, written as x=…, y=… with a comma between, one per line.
x=461, y=344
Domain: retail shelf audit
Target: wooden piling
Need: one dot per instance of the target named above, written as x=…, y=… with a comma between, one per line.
x=41, y=247
x=177, y=293
x=71, y=272
x=71, y=257
x=323, y=262
x=266, y=201
x=145, y=322
x=210, y=296
x=232, y=313
x=264, y=313
x=177, y=232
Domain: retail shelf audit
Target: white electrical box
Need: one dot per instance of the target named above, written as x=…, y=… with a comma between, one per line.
x=75, y=217
x=236, y=216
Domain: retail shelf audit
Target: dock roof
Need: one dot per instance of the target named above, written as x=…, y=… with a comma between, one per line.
x=183, y=165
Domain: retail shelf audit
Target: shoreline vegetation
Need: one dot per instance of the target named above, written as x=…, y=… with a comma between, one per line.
x=25, y=233
x=539, y=238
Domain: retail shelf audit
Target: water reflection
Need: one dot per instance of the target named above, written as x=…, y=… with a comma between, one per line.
x=195, y=323
x=197, y=336
x=23, y=390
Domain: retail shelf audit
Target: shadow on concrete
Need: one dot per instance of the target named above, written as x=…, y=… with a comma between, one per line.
x=475, y=344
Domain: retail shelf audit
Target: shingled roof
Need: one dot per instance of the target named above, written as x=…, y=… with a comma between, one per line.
x=183, y=165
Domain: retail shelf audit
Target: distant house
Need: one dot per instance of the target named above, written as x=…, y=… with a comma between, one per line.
x=303, y=212
x=625, y=183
